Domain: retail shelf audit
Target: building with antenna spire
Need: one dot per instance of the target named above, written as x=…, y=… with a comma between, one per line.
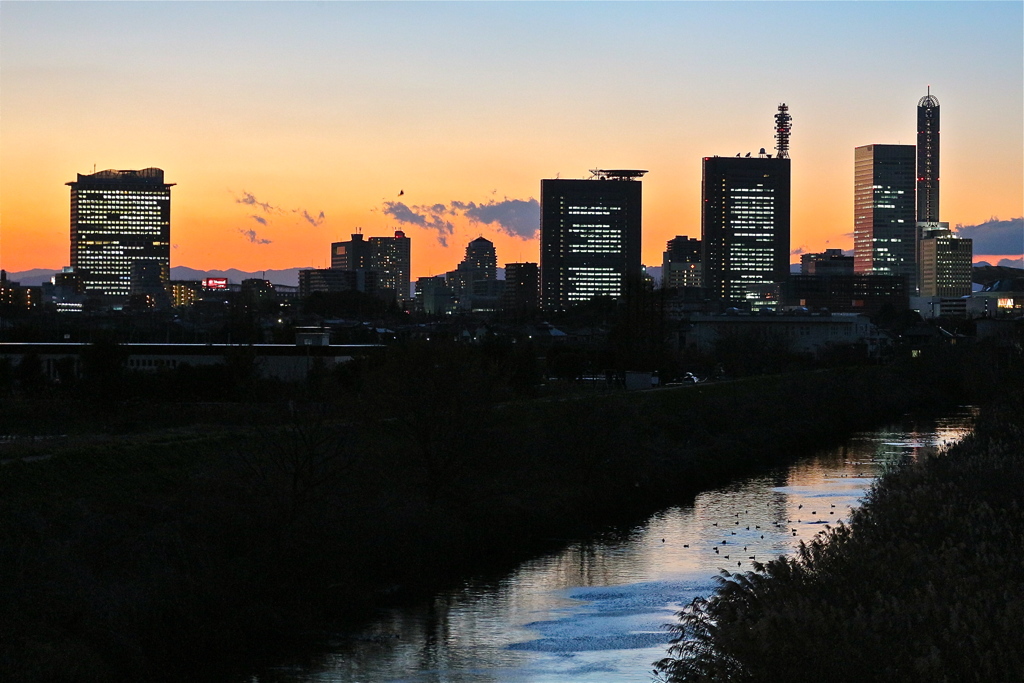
x=943, y=259
x=783, y=126
x=745, y=219
x=928, y=158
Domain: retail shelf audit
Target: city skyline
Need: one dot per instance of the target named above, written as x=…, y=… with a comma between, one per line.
x=287, y=127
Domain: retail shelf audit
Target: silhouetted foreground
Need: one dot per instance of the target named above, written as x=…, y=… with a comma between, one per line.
x=926, y=583
x=191, y=554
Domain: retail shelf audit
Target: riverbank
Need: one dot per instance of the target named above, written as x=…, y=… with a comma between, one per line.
x=924, y=584
x=153, y=556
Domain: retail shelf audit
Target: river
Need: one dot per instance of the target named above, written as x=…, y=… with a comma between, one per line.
x=595, y=611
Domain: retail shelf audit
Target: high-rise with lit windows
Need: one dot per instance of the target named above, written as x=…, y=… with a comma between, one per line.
x=590, y=237
x=119, y=218
x=943, y=259
x=745, y=216
x=884, y=227
x=391, y=257
x=481, y=256
x=945, y=264
x=680, y=265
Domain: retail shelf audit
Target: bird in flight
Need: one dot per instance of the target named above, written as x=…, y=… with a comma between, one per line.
x=401, y=192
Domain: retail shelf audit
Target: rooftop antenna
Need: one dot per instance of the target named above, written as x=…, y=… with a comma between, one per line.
x=783, y=126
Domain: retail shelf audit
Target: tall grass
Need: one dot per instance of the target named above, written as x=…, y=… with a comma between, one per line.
x=925, y=583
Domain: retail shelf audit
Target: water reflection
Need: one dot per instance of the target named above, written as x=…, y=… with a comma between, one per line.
x=595, y=611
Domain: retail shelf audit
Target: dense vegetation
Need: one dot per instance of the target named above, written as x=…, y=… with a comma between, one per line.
x=150, y=554
x=926, y=582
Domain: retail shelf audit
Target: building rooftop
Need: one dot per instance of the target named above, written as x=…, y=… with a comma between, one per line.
x=153, y=176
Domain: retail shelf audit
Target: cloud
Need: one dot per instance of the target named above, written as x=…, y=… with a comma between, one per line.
x=248, y=198
x=251, y=235
x=995, y=236
x=430, y=217
x=1012, y=262
x=269, y=209
x=403, y=214
x=312, y=221
x=798, y=251
x=515, y=217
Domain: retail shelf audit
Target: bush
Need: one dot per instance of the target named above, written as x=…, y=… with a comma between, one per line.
x=924, y=584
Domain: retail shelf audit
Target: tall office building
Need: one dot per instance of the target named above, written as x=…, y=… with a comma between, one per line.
x=680, y=264
x=945, y=264
x=884, y=232
x=119, y=218
x=590, y=233
x=928, y=159
x=745, y=216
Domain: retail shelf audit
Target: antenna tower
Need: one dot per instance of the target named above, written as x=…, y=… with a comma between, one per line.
x=783, y=126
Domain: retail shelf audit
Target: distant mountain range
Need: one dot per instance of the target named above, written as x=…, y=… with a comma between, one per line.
x=287, y=276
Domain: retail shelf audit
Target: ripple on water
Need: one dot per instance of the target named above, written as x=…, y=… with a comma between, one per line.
x=624, y=617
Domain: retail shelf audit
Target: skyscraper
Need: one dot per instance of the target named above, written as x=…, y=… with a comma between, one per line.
x=943, y=259
x=884, y=233
x=928, y=159
x=745, y=211
x=119, y=218
x=745, y=216
x=590, y=234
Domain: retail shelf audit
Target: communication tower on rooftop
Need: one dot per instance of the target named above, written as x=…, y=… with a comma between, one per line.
x=783, y=126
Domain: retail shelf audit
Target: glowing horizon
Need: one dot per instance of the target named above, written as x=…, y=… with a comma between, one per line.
x=339, y=107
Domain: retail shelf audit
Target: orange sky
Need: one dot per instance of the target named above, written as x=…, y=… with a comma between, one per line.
x=338, y=107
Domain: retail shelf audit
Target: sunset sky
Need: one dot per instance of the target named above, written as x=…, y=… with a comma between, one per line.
x=268, y=114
